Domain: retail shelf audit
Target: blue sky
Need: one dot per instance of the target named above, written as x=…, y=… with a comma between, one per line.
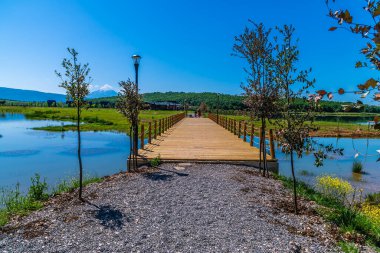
x=185, y=45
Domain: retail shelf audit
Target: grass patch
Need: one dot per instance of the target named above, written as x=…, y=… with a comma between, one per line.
x=72, y=184
x=94, y=119
x=349, y=220
x=348, y=247
x=357, y=167
x=155, y=161
x=325, y=128
x=13, y=202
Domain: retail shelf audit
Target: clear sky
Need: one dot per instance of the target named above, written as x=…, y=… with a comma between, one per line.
x=185, y=45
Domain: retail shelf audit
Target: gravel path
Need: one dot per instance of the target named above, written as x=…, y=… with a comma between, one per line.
x=203, y=208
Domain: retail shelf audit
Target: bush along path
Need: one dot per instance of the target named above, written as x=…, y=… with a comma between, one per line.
x=176, y=208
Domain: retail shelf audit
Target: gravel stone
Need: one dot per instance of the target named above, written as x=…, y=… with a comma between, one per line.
x=205, y=208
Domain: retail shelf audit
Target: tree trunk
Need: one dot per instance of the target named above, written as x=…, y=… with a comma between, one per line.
x=135, y=139
x=294, y=182
x=260, y=149
x=79, y=155
x=130, y=149
x=263, y=149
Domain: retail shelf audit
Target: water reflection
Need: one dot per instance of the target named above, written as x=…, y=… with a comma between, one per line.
x=357, y=176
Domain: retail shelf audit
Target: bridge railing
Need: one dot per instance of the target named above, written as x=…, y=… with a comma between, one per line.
x=158, y=127
x=244, y=130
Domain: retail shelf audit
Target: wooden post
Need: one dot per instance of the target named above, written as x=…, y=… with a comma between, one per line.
x=234, y=127
x=260, y=144
x=239, y=130
x=150, y=133
x=160, y=127
x=142, y=137
x=271, y=144
x=155, y=129
x=245, y=132
x=252, y=135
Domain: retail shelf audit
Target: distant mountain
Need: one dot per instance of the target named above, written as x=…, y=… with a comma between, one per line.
x=38, y=96
x=102, y=94
x=29, y=95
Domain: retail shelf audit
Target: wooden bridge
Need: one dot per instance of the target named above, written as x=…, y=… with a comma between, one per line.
x=202, y=140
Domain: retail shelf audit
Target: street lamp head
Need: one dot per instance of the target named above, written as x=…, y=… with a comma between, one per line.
x=136, y=59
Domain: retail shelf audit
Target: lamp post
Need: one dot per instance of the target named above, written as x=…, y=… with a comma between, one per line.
x=136, y=61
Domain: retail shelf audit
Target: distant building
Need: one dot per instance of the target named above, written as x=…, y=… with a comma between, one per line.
x=167, y=105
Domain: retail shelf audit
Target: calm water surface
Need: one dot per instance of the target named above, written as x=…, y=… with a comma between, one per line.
x=341, y=165
x=24, y=152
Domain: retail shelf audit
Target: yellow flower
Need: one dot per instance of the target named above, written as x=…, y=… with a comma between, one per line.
x=372, y=212
x=334, y=187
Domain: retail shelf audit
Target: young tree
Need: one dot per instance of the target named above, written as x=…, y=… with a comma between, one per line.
x=129, y=103
x=76, y=81
x=295, y=123
x=255, y=45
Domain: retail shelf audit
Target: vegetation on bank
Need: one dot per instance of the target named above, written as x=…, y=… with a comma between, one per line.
x=94, y=119
x=341, y=204
x=228, y=104
x=327, y=128
x=100, y=119
x=14, y=203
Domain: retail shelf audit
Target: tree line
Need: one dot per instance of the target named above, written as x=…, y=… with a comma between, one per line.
x=228, y=104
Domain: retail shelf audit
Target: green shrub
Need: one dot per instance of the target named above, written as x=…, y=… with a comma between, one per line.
x=155, y=161
x=72, y=184
x=357, y=167
x=4, y=217
x=16, y=203
x=12, y=202
x=37, y=190
x=348, y=247
x=348, y=219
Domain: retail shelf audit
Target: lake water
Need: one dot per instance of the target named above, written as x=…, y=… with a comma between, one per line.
x=24, y=152
x=340, y=165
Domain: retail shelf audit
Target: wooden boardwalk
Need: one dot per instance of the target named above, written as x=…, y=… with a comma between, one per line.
x=201, y=140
